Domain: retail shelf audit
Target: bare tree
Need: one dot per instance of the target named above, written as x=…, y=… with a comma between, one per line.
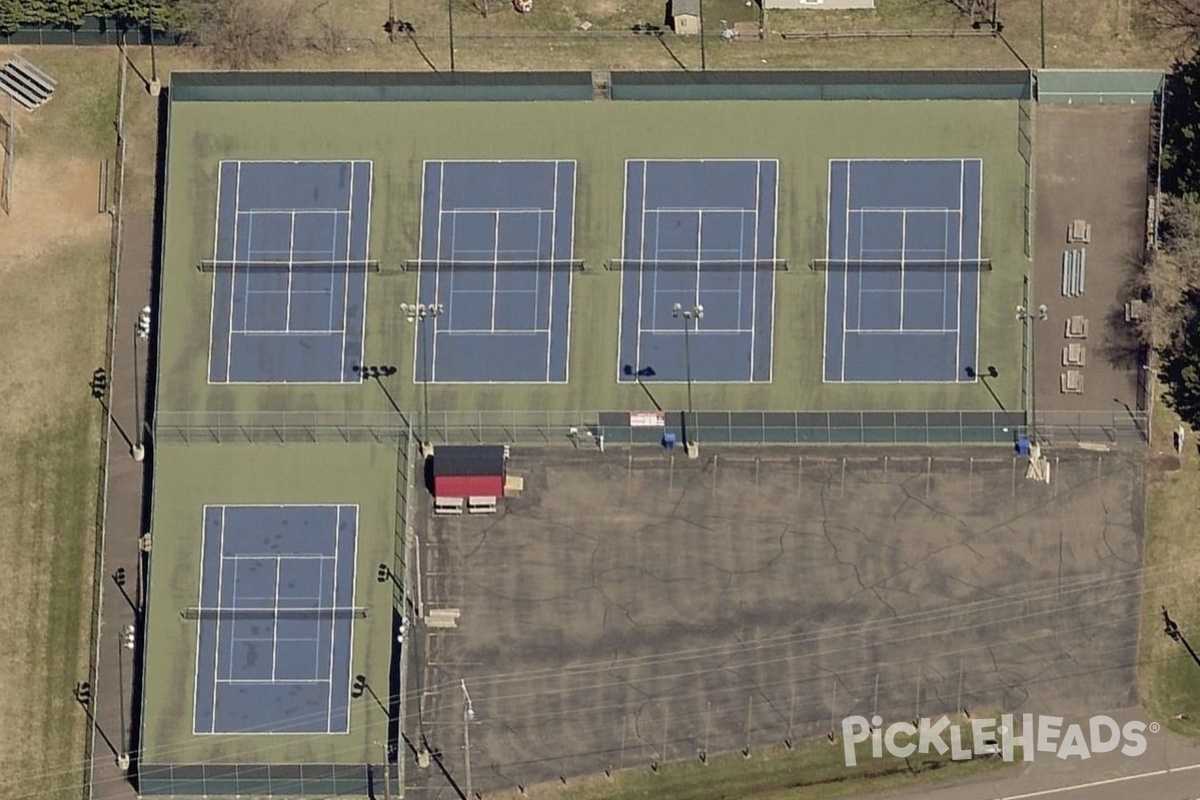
x=1171, y=279
x=240, y=33
x=1179, y=18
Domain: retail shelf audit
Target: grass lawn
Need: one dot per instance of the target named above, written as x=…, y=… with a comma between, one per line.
x=54, y=269
x=1169, y=680
x=813, y=770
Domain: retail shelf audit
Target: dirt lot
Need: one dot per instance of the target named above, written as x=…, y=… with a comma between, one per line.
x=631, y=609
x=1091, y=164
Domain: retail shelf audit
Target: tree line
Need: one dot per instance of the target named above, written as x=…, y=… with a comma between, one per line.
x=161, y=14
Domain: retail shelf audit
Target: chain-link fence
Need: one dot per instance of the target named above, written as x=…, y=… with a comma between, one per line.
x=278, y=427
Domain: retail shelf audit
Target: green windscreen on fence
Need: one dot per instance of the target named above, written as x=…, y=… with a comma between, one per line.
x=939, y=84
x=379, y=86
x=1097, y=87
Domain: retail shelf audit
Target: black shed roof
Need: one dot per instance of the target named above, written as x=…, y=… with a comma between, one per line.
x=468, y=460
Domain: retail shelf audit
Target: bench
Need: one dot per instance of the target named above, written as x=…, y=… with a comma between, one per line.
x=1074, y=355
x=1072, y=382
x=1077, y=327
x=447, y=505
x=481, y=505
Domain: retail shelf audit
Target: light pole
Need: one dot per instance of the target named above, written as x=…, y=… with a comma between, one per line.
x=418, y=313
x=141, y=333
x=703, y=58
x=468, y=717
x=450, y=19
x=689, y=316
x=1027, y=318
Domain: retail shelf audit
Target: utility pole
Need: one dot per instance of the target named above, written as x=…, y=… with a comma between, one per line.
x=450, y=18
x=419, y=313
x=703, y=58
x=688, y=316
x=1171, y=629
x=387, y=772
x=1030, y=320
x=1042, y=25
x=468, y=717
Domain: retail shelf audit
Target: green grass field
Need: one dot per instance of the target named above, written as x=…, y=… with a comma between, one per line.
x=397, y=137
x=188, y=478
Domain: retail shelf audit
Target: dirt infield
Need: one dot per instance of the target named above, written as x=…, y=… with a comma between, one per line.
x=633, y=608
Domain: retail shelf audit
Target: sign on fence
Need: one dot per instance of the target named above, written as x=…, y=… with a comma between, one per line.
x=647, y=419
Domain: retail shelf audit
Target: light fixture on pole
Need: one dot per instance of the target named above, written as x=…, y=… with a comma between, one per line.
x=418, y=313
x=689, y=317
x=1027, y=318
x=468, y=718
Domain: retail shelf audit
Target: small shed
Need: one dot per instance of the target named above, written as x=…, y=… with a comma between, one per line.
x=465, y=471
x=685, y=17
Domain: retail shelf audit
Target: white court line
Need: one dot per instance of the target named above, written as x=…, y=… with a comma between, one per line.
x=287, y=315
x=537, y=278
x=270, y=682
x=353, y=593
x=898, y=209
x=754, y=255
x=693, y=209
x=699, y=256
x=642, y=266
x=337, y=533
x=275, y=620
x=362, y=324
x=301, y=211
x=866, y=331
x=505, y=209
x=275, y=557
x=705, y=332
x=903, y=242
x=828, y=232
x=200, y=601
x=570, y=273
x=217, y=636
x=624, y=276
x=316, y=670
x=237, y=201
x=962, y=168
x=490, y=332
x=846, y=277
x=978, y=252
x=431, y=356
x=346, y=277
x=212, y=304
x=495, y=266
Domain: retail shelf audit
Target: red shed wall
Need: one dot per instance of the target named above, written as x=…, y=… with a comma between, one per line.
x=468, y=486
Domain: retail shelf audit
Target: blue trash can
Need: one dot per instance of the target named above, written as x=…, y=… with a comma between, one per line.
x=1023, y=445
x=668, y=441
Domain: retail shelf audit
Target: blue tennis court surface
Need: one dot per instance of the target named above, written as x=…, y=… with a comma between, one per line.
x=698, y=233
x=496, y=242
x=288, y=301
x=275, y=619
x=901, y=294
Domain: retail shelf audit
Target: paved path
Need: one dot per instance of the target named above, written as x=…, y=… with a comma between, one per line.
x=115, y=672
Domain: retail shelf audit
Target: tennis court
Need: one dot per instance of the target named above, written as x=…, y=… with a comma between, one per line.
x=496, y=250
x=275, y=619
x=698, y=233
x=902, y=290
x=290, y=284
